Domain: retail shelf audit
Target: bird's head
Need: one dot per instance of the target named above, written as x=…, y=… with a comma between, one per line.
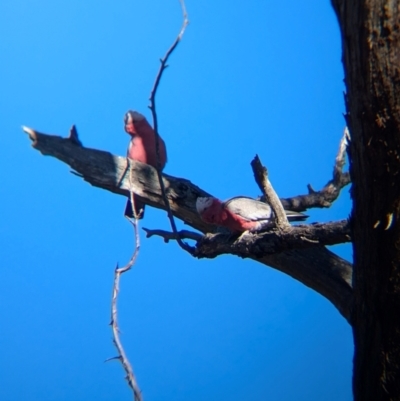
x=209, y=209
x=130, y=119
x=203, y=203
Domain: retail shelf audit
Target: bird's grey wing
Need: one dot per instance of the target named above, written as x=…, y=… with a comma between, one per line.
x=248, y=208
x=254, y=210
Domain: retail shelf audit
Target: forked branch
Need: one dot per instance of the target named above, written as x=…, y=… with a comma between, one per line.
x=315, y=267
x=330, y=192
x=263, y=243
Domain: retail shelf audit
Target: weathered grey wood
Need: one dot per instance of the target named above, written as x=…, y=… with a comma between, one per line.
x=261, y=177
x=317, y=268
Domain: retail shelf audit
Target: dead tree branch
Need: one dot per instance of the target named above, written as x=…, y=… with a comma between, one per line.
x=316, y=267
x=130, y=376
x=152, y=107
x=330, y=192
x=275, y=241
x=167, y=235
x=263, y=243
x=261, y=177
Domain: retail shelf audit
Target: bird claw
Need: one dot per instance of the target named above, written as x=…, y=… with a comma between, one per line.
x=243, y=234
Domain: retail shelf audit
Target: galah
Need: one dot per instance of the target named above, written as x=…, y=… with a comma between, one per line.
x=240, y=213
x=142, y=148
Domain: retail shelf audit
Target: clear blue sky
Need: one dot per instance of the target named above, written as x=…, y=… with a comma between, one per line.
x=249, y=77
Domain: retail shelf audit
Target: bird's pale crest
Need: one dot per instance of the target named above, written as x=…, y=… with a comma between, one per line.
x=133, y=116
x=202, y=203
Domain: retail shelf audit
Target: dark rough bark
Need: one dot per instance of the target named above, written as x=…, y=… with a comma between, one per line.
x=275, y=240
x=315, y=267
x=371, y=55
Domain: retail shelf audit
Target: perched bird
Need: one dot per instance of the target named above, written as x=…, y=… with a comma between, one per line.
x=240, y=213
x=142, y=148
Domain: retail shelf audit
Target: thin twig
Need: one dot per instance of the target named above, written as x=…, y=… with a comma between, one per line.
x=261, y=177
x=152, y=107
x=330, y=192
x=130, y=376
x=167, y=235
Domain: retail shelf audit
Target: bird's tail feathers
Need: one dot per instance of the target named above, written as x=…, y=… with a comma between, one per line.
x=139, y=206
x=296, y=216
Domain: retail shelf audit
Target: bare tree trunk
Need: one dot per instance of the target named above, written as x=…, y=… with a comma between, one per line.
x=371, y=56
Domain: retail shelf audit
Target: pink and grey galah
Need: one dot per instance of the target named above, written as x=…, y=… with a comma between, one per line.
x=240, y=213
x=142, y=148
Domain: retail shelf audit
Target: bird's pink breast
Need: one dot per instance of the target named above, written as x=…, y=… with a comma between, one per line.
x=237, y=223
x=143, y=146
